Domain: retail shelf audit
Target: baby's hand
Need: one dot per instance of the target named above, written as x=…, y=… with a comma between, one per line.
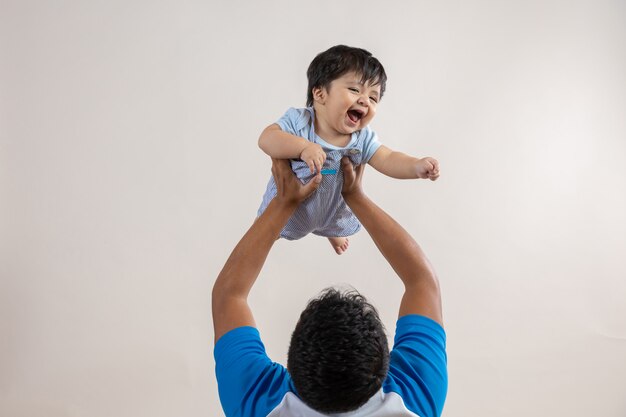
x=314, y=156
x=428, y=168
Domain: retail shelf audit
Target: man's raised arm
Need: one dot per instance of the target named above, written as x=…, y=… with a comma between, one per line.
x=231, y=288
x=421, y=295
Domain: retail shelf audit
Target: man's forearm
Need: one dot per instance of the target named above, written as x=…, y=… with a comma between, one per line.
x=422, y=294
x=397, y=246
x=245, y=262
x=232, y=286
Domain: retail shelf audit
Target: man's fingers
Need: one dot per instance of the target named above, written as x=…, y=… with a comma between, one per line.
x=346, y=164
x=356, y=171
x=347, y=168
x=312, y=185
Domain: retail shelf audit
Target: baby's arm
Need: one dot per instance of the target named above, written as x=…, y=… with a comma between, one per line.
x=402, y=166
x=283, y=145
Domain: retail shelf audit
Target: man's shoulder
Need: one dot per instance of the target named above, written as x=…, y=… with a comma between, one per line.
x=249, y=382
x=418, y=365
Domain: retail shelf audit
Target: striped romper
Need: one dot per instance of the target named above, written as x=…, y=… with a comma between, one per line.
x=324, y=213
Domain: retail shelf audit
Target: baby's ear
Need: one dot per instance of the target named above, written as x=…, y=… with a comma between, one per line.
x=319, y=94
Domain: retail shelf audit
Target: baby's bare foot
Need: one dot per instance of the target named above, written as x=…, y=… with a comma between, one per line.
x=340, y=244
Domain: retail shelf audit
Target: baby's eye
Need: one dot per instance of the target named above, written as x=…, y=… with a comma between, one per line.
x=374, y=99
x=356, y=90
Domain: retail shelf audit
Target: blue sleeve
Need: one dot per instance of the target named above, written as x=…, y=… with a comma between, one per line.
x=249, y=383
x=418, y=365
x=371, y=143
x=294, y=120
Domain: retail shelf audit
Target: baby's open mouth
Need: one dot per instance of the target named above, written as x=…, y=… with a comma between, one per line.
x=355, y=115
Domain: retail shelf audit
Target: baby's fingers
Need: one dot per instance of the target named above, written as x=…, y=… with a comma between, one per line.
x=435, y=166
x=319, y=162
x=311, y=165
x=318, y=165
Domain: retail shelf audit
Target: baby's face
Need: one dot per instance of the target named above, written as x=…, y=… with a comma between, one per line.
x=349, y=104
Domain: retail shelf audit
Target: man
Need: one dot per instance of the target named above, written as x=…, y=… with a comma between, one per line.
x=338, y=358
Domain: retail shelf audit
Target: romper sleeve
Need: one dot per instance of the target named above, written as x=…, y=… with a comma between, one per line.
x=371, y=143
x=249, y=383
x=294, y=120
x=418, y=365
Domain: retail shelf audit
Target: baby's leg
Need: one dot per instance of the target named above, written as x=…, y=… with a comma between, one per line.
x=340, y=244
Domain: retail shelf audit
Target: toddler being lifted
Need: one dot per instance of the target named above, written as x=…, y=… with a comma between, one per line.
x=345, y=86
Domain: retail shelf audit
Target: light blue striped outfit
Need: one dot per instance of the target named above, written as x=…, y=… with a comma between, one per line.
x=324, y=213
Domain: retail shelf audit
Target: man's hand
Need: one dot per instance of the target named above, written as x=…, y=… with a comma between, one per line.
x=427, y=168
x=314, y=156
x=289, y=189
x=352, y=178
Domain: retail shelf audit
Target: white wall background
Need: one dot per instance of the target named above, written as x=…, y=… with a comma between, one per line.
x=129, y=169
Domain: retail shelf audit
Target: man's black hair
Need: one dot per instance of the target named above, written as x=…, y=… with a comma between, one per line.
x=329, y=65
x=338, y=357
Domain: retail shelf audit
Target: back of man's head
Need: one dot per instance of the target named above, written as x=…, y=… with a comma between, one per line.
x=338, y=356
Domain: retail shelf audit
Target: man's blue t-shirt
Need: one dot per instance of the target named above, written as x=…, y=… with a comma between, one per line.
x=251, y=385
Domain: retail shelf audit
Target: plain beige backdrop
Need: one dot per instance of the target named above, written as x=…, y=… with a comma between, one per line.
x=129, y=169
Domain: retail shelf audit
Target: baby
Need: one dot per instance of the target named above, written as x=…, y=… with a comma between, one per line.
x=345, y=87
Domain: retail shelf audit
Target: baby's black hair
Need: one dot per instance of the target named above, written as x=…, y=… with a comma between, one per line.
x=338, y=60
x=338, y=356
